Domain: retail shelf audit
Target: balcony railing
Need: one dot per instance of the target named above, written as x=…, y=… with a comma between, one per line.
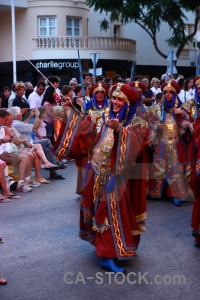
x=87, y=43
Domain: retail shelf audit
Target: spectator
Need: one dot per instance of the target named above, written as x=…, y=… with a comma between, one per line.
x=25, y=129
x=155, y=86
x=14, y=158
x=6, y=194
x=149, y=97
x=55, y=81
x=48, y=103
x=5, y=94
x=35, y=98
x=19, y=100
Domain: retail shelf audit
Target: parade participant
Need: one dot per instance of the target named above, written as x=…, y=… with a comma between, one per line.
x=197, y=92
x=113, y=199
x=195, y=184
x=167, y=129
x=141, y=109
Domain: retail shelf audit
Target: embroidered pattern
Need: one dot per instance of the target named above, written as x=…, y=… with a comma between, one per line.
x=69, y=133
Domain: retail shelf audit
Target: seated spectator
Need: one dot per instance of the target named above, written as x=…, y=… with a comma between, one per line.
x=6, y=194
x=14, y=158
x=25, y=130
x=34, y=152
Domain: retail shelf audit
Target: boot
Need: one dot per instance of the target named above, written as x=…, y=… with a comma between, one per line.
x=109, y=264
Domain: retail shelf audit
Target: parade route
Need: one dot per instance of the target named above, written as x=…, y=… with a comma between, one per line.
x=43, y=258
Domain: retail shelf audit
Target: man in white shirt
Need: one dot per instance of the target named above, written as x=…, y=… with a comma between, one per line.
x=35, y=98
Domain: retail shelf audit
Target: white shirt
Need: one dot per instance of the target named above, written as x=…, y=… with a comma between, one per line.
x=186, y=95
x=2, y=135
x=156, y=91
x=34, y=100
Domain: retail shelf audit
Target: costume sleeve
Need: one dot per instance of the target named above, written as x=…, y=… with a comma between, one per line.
x=76, y=137
x=131, y=143
x=197, y=143
x=183, y=124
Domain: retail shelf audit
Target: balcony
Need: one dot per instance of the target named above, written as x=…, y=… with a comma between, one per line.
x=85, y=43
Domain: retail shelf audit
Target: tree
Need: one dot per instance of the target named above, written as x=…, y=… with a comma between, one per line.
x=150, y=14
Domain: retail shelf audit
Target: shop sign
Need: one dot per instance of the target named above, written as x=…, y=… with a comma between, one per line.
x=57, y=65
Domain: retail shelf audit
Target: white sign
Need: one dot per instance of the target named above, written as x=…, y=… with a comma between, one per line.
x=98, y=71
x=94, y=58
x=57, y=65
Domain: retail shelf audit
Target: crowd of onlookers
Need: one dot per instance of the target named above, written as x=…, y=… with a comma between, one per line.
x=31, y=117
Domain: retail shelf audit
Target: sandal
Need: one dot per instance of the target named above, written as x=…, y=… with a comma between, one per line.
x=12, y=196
x=51, y=167
x=4, y=200
x=3, y=281
x=44, y=181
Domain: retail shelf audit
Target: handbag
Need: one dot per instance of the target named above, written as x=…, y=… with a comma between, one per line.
x=10, y=147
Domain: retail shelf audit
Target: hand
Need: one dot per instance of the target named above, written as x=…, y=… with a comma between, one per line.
x=37, y=112
x=191, y=127
x=178, y=111
x=114, y=123
x=6, y=139
x=24, y=110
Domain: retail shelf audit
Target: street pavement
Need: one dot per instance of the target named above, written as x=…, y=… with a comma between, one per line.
x=43, y=258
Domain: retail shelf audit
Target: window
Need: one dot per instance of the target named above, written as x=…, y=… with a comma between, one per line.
x=47, y=28
x=116, y=31
x=73, y=29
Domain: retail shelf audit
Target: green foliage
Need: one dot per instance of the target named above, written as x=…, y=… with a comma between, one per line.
x=150, y=14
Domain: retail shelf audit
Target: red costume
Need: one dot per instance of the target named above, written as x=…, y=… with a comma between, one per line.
x=169, y=152
x=113, y=198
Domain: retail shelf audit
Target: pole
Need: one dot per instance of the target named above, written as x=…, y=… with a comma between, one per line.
x=132, y=72
x=13, y=41
x=81, y=80
x=94, y=67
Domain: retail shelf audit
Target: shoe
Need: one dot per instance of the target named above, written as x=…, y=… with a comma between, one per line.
x=23, y=188
x=108, y=264
x=56, y=176
x=1, y=240
x=12, y=196
x=62, y=165
x=197, y=241
x=177, y=202
x=33, y=183
x=51, y=167
x=3, y=281
x=4, y=200
x=43, y=181
x=65, y=161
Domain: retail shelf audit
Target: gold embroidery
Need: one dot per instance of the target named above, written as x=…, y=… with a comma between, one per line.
x=68, y=135
x=115, y=221
x=122, y=155
x=104, y=227
x=101, y=160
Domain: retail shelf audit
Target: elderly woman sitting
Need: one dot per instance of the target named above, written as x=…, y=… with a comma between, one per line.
x=24, y=143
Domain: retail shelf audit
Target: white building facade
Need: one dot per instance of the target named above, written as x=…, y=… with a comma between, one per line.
x=48, y=34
